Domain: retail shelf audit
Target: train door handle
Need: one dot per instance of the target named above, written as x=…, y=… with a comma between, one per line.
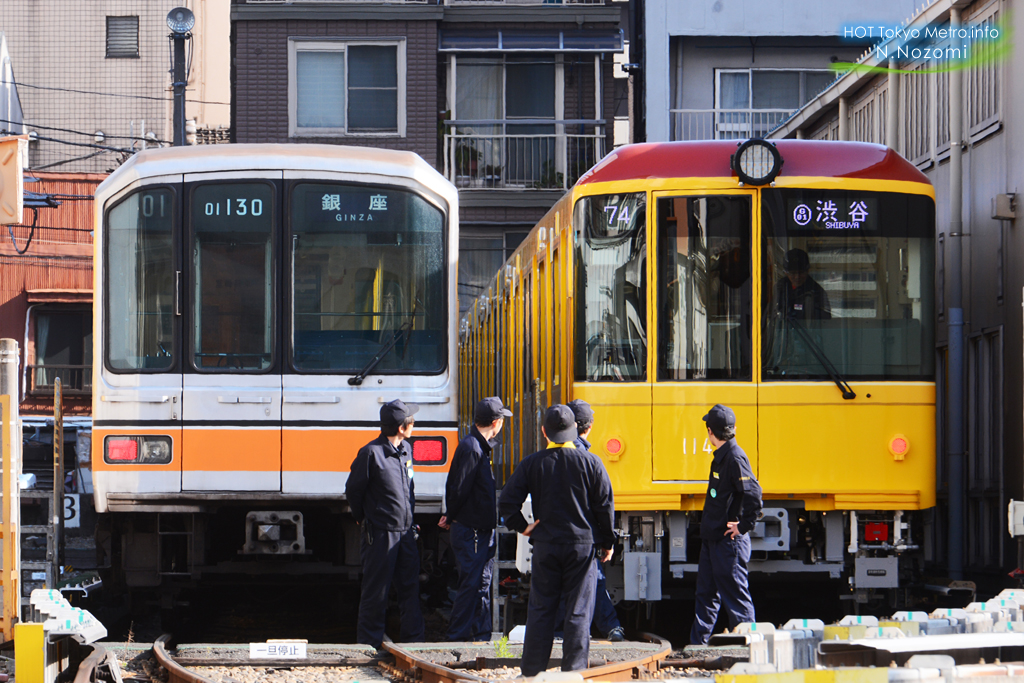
x=177, y=292
x=244, y=399
x=135, y=399
x=312, y=399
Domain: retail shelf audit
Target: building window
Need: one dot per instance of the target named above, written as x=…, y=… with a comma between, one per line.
x=346, y=88
x=63, y=349
x=492, y=94
x=751, y=102
x=123, y=37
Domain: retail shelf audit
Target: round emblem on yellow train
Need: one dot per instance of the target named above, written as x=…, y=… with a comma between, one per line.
x=898, y=446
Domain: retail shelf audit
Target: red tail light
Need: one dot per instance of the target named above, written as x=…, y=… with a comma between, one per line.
x=429, y=451
x=142, y=450
x=124, y=450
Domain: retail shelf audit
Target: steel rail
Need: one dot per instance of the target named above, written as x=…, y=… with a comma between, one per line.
x=625, y=671
x=175, y=672
x=413, y=667
x=88, y=669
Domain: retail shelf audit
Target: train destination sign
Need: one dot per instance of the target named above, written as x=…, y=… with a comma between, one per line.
x=346, y=208
x=832, y=213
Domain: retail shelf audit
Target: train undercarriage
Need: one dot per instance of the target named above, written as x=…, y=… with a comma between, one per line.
x=876, y=553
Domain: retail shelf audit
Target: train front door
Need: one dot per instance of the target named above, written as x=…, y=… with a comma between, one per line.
x=705, y=308
x=232, y=380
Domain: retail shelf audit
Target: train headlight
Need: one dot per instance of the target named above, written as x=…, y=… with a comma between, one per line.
x=898, y=446
x=138, y=450
x=756, y=162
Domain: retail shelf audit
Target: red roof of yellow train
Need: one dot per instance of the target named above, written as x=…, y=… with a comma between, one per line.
x=710, y=159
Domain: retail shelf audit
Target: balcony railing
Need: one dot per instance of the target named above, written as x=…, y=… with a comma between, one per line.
x=521, y=154
x=524, y=2
x=74, y=379
x=725, y=124
x=431, y=2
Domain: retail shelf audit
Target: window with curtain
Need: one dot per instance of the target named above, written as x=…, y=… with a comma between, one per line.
x=347, y=88
x=769, y=88
x=63, y=348
x=751, y=102
x=491, y=94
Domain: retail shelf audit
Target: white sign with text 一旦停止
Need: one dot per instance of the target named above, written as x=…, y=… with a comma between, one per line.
x=278, y=649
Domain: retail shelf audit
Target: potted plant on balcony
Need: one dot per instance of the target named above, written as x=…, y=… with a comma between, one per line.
x=466, y=159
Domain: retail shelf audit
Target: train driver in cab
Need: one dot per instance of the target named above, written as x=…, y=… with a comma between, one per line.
x=731, y=507
x=382, y=496
x=797, y=295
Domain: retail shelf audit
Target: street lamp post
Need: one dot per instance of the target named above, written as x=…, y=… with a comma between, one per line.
x=180, y=20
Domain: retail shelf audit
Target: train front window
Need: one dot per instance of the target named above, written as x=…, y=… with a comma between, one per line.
x=611, y=286
x=140, y=282
x=233, y=283
x=368, y=274
x=704, y=288
x=847, y=285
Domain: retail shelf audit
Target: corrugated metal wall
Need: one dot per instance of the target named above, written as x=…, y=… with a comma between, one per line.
x=59, y=257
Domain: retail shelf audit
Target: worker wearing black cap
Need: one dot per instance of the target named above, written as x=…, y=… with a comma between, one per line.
x=797, y=295
x=471, y=514
x=573, y=522
x=730, y=510
x=381, y=494
x=606, y=620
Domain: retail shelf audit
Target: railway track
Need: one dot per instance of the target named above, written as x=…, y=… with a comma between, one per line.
x=408, y=663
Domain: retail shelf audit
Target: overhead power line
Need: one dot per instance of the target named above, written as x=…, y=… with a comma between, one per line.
x=108, y=94
x=82, y=132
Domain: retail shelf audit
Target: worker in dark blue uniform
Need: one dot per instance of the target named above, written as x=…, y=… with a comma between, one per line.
x=471, y=515
x=381, y=494
x=731, y=507
x=573, y=522
x=606, y=620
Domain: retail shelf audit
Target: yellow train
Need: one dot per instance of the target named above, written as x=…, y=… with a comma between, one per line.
x=791, y=281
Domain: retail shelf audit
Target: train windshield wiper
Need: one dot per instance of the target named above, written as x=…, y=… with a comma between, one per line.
x=379, y=356
x=844, y=387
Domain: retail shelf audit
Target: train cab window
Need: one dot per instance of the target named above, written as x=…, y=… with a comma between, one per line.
x=847, y=285
x=233, y=283
x=368, y=278
x=611, y=287
x=704, y=288
x=139, y=259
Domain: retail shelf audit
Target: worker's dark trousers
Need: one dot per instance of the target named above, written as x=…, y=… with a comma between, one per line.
x=560, y=570
x=605, y=616
x=471, y=609
x=389, y=557
x=722, y=572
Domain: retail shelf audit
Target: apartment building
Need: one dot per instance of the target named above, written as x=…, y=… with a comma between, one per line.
x=512, y=100
x=731, y=69
x=98, y=73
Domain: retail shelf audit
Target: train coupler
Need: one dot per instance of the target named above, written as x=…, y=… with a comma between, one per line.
x=274, y=533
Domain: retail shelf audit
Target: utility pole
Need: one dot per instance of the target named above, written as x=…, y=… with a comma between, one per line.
x=180, y=20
